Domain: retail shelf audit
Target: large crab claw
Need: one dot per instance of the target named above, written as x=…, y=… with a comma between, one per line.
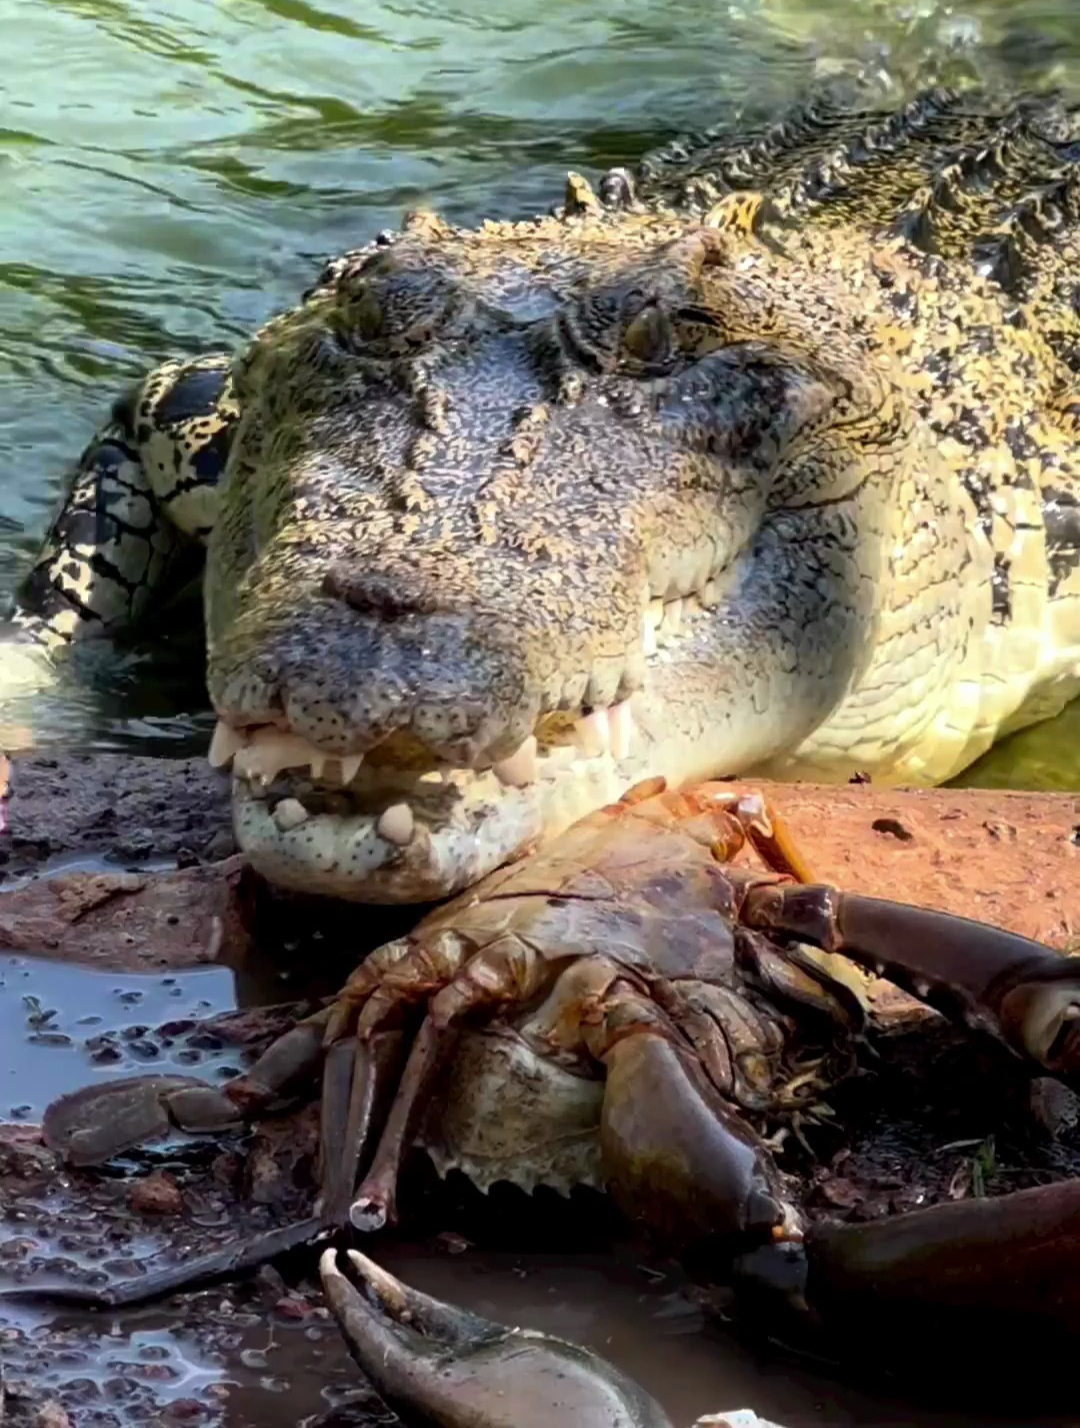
x=1020, y=991
x=998, y=1270
x=977, y=1289
x=678, y=1159
x=436, y=1364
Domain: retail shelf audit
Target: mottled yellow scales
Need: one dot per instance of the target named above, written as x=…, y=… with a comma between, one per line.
x=759, y=457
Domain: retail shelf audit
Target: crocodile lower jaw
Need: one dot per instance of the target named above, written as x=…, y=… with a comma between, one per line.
x=415, y=837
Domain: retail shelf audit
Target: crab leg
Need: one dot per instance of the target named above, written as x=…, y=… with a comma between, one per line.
x=1017, y=989
x=457, y=1370
x=358, y=1082
x=507, y=970
x=285, y=1065
x=764, y=830
x=375, y=1204
x=716, y=815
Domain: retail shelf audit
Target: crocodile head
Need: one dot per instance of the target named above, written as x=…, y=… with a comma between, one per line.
x=519, y=516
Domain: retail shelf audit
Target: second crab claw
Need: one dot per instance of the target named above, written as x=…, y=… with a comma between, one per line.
x=971, y=1291
x=91, y=1125
x=1020, y=991
x=436, y=1364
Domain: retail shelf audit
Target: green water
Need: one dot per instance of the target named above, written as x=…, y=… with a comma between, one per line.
x=172, y=172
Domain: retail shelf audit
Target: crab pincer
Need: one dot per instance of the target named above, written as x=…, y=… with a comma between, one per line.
x=679, y=1159
x=444, y=1366
x=91, y=1125
x=1021, y=992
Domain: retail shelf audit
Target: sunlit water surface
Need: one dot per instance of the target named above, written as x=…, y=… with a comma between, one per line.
x=173, y=172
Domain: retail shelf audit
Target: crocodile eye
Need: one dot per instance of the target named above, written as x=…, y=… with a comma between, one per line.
x=649, y=337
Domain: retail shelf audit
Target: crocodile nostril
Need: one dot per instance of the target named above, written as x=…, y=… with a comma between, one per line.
x=390, y=597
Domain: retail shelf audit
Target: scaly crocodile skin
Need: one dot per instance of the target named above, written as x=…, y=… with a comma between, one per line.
x=762, y=456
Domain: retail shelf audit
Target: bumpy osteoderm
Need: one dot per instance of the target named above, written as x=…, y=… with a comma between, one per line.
x=763, y=458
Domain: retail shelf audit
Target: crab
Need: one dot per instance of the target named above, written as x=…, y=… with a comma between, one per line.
x=625, y=1008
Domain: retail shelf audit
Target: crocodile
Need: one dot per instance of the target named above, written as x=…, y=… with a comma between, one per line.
x=759, y=456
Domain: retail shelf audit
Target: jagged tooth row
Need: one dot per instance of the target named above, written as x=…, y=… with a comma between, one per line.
x=261, y=754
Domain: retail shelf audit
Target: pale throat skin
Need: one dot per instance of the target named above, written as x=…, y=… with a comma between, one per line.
x=762, y=461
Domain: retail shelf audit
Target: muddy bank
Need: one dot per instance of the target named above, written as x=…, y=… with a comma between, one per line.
x=1012, y=859
x=932, y=1114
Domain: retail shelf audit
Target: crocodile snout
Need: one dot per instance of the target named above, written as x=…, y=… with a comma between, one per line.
x=356, y=670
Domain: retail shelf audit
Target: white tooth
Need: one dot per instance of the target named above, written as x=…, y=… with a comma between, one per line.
x=648, y=636
x=520, y=768
x=672, y=616
x=655, y=613
x=350, y=767
x=289, y=813
x=317, y=763
x=224, y=744
x=396, y=824
x=268, y=752
x=620, y=725
x=592, y=732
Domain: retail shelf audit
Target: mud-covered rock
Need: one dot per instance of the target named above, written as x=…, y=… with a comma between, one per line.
x=133, y=922
x=156, y=1194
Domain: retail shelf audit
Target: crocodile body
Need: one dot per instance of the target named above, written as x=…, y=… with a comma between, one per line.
x=762, y=456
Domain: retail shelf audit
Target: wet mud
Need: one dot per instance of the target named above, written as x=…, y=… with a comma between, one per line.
x=85, y=808
x=124, y=953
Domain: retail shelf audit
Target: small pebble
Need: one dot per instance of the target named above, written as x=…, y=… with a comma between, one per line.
x=144, y=1049
x=157, y=1194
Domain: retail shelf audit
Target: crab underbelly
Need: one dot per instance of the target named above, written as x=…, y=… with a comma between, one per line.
x=506, y=1113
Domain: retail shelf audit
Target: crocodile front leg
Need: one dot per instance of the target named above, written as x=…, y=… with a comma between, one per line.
x=138, y=508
